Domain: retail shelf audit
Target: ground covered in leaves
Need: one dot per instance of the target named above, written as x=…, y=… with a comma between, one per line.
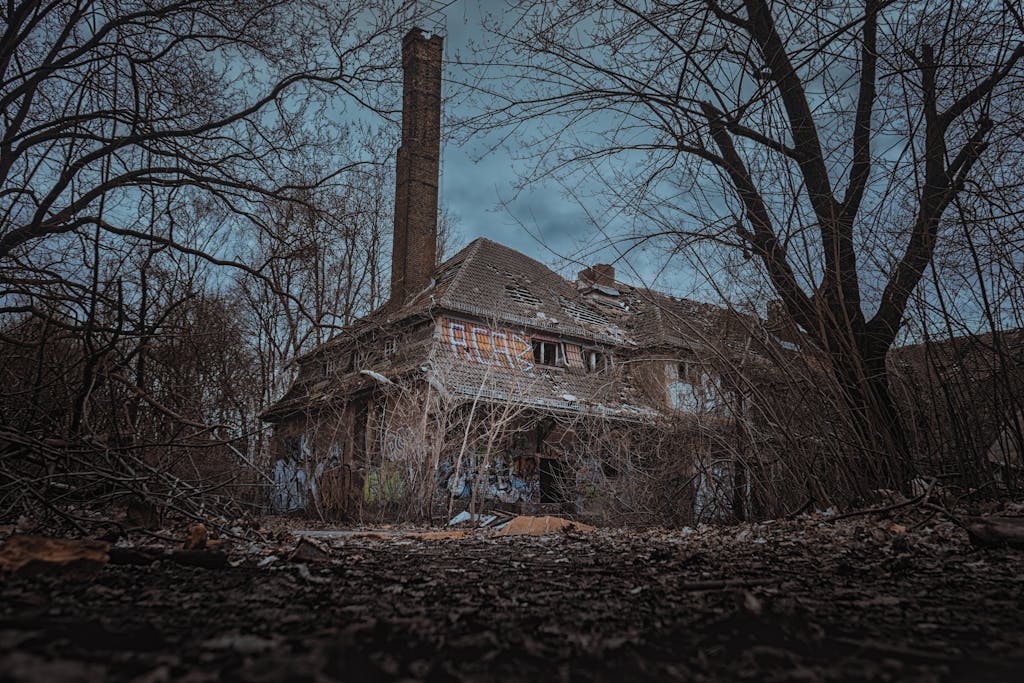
x=807, y=600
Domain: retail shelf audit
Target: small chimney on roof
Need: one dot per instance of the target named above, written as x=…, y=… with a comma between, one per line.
x=414, y=249
x=599, y=274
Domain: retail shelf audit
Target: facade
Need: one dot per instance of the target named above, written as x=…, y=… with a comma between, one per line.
x=487, y=375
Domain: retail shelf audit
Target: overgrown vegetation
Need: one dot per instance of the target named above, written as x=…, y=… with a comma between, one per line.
x=174, y=232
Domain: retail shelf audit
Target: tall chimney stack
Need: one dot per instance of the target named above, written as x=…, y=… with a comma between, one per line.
x=415, y=239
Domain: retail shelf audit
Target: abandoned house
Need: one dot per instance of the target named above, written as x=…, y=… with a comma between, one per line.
x=484, y=376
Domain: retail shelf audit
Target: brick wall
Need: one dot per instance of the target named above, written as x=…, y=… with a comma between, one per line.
x=415, y=238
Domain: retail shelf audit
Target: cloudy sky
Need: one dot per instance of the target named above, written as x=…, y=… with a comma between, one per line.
x=479, y=184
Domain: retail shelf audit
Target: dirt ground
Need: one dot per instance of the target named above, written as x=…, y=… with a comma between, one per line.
x=808, y=600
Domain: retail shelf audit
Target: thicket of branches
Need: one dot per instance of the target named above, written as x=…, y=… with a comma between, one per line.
x=857, y=161
x=177, y=222
x=191, y=194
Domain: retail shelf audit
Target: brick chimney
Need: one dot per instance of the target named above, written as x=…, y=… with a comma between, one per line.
x=415, y=240
x=599, y=274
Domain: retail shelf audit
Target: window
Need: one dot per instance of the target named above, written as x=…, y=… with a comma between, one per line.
x=693, y=388
x=292, y=448
x=390, y=346
x=595, y=360
x=548, y=353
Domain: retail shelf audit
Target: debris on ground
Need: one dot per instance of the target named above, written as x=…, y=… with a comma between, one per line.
x=489, y=520
x=141, y=556
x=905, y=598
x=197, y=537
x=23, y=556
x=540, y=526
x=443, y=535
x=309, y=550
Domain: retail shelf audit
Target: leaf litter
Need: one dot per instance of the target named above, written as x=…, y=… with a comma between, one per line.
x=866, y=598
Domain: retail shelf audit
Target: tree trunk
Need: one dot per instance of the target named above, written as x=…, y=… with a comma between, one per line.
x=864, y=382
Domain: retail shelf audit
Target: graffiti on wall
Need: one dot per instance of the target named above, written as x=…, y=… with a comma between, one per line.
x=507, y=477
x=481, y=344
x=386, y=483
x=693, y=389
x=292, y=483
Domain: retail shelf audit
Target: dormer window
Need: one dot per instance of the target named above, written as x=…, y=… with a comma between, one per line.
x=547, y=352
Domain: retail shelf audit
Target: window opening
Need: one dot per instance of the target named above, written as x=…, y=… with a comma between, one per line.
x=595, y=360
x=548, y=353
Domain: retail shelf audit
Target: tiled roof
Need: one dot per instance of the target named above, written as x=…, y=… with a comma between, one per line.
x=493, y=282
x=506, y=289
x=567, y=390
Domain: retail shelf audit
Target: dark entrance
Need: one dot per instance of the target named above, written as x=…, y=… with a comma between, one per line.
x=552, y=480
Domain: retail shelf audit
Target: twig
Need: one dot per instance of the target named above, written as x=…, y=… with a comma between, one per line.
x=888, y=508
x=802, y=509
x=724, y=584
x=874, y=511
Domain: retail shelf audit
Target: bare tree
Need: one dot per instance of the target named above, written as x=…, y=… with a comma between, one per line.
x=826, y=141
x=101, y=97
x=144, y=145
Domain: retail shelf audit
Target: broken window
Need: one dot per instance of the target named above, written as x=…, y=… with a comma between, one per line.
x=595, y=360
x=363, y=359
x=548, y=353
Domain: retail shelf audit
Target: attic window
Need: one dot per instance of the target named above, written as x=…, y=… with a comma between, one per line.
x=522, y=295
x=548, y=353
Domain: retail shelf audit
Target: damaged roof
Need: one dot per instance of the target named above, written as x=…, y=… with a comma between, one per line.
x=504, y=289
x=565, y=390
x=493, y=282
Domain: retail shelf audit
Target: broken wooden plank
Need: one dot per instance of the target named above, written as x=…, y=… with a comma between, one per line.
x=80, y=560
x=541, y=526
